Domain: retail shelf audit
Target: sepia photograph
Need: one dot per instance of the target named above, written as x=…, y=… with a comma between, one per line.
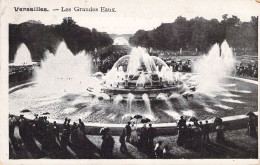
x=168, y=82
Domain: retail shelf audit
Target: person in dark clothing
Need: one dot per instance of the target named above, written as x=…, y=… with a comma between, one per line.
x=182, y=122
x=206, y=131
x=55, y=129
x=151, y=132
x=64, y=139
x=111, y=144
x=189, y=136
x=128, y=131
x=143, y=143
x=107, y=145
x=181, y=131
x=151, y=135
x=200, y=130
x=220, y=133
x=123, y=147
x=252, y=127
x=82, y=126
x=65, y=122
x=196, y=123
x=189, y=133
x=48, y=139
x=74, y=126
x=68, y=126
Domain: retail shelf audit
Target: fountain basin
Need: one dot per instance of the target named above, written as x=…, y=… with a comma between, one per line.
x=240, y=99
x=152, y=93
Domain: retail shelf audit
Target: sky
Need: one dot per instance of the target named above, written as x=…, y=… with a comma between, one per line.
x=133, y=15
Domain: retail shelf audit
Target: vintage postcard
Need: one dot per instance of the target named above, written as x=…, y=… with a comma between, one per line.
x=129, y=82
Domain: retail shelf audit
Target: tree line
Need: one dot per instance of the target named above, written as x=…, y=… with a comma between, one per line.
x=39, y=37
x=200, y=34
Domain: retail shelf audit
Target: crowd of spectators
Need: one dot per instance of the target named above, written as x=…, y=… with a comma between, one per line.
x=249, y=70
x=189, y=135
x=108, y=62
x=20, y=73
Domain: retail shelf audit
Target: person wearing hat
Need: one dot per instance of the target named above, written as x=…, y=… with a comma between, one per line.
x=200, y=130
x=206, y=131
x=181, y=131
x=65, y=122
x=182, y=122
x=82, y=126
x=55, y=129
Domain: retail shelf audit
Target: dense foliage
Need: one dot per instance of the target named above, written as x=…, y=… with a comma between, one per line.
x=39, y=37
x=199, y=33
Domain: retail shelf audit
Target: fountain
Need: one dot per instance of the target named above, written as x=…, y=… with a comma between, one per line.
x=65, y=71
x=22, y=56
x=117, y=101
x=139, y=73
x=166, y=99
x=212, y=68
x=130, y=99
x=137, y=84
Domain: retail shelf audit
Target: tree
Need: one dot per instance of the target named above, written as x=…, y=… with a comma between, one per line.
x=199, y=33
x=39, y=38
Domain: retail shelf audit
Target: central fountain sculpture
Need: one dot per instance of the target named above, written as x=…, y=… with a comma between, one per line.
x=139, y=74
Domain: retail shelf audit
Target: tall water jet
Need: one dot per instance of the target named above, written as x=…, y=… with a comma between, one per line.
x=65, y=71
x=130, y=98
x=180, y=98
x=167, y=75
x=116, y=101
x=166, y=99
x=213, y=67
x=140, y=58
x=147, y=103
x=22, y=56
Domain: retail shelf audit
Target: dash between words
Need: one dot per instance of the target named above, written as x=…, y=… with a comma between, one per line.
x=65, y=9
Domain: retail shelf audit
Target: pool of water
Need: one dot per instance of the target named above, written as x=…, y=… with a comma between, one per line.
x=229, y=97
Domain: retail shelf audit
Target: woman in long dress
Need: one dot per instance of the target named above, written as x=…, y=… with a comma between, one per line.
x=134, y=135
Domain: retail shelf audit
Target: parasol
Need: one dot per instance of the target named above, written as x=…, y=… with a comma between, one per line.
x=251, y=114
x=25, y=110
x=138, y=116
x=146, y=120
x=218, y=120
